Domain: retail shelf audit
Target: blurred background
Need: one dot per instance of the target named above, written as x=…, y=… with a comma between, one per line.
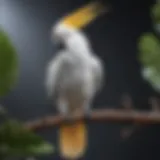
x=115, y=38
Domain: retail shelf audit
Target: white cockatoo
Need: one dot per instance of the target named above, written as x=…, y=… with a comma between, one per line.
x=74, y=76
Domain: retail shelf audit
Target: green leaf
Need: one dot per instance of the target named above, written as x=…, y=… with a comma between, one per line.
x=8, y=64
x=15, y=140
x=152, y=76
x=149, y=50
x=46, y=148
x=149, y=56
x=155, y=13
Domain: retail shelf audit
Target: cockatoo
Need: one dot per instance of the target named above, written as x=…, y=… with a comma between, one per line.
x=74, y=76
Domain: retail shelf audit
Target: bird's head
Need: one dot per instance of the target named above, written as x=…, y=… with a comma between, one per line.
x=67, y=32
x=61, y=33
x=65, y=36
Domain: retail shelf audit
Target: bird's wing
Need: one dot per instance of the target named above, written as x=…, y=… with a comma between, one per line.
x=98, y=72
x=55, y=71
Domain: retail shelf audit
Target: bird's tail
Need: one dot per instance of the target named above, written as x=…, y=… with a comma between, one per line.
x=73, y=140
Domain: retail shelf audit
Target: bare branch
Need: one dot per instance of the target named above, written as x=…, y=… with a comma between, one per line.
x=108, y=115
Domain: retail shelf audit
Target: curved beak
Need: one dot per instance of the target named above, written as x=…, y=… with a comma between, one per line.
x=58, y=44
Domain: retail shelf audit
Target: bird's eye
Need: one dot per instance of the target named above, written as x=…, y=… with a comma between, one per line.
x=60, y=46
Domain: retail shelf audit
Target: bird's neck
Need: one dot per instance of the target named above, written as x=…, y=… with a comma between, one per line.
x=82, y=52
x=79, y=49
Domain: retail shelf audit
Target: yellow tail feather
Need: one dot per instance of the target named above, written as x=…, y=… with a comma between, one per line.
x=73, y=140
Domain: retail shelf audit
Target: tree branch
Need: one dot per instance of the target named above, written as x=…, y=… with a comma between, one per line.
x=108, y=115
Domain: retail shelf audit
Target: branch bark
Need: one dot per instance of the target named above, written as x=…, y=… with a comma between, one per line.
x=101, y=115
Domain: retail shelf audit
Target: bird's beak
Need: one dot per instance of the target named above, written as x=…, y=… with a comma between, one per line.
x=58, y=44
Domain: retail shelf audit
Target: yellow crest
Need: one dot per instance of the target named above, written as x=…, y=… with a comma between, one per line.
x=84, y=15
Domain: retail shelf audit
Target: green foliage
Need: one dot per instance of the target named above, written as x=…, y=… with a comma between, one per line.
x=8, y=64
x=15, y=140
x=153, y=76
x=149, y=47
x=155, y=13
